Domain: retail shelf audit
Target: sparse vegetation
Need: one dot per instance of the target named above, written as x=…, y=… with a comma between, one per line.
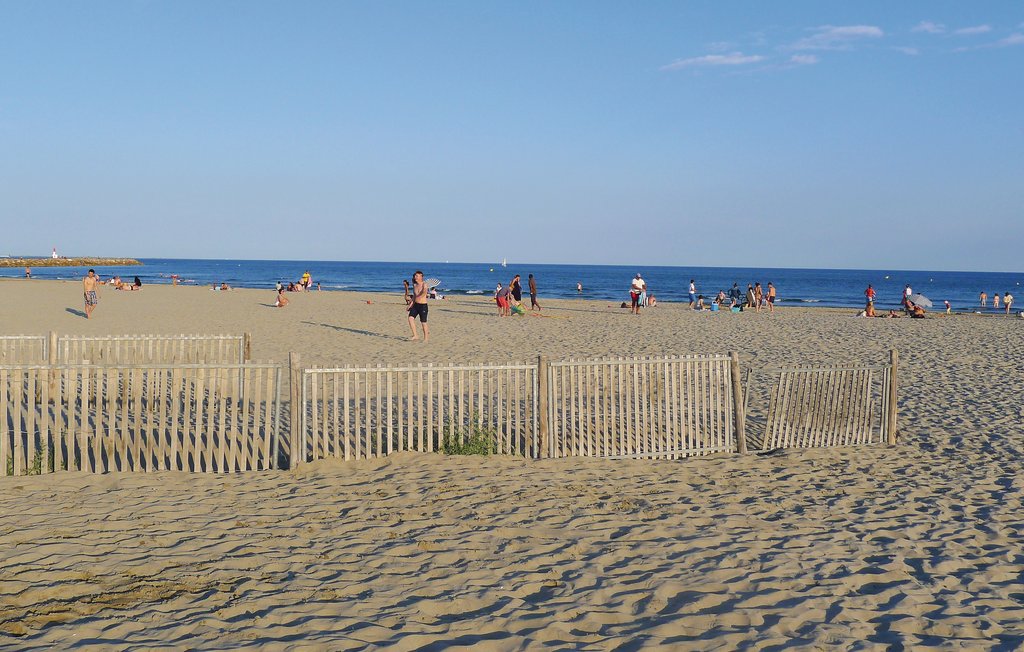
x=471, y=439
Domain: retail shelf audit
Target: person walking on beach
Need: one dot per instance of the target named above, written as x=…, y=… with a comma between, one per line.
x=635, y=289
x=869, y=294
x=693, y=294
x=90, y=287
x=984, y=299
x=771, y=297
x=533, y=293
x=1008, y=302
x=418, y=307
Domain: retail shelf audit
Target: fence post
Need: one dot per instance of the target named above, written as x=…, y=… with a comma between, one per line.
x=246, y=347
x=51, y=359
x=894, y=358
x=295, y=455
x=542, y=405
x=738, y=403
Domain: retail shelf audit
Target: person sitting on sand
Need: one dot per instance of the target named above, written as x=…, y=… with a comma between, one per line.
x=700, y=303
x=720, y=299
x=894, y=315
x=869, y=311
x=282, y=300
x=916, y=311
x=137, y=283
x=224, y=286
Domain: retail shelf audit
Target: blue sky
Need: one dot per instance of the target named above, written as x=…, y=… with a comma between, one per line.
x=790, y=134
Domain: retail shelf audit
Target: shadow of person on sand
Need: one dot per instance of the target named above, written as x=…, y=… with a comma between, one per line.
x=76, y=313
x=356, y=331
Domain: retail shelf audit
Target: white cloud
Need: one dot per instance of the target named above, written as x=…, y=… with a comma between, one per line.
x=804, y=59
x=721, y=46
x=910, y=52
x=1012, y=39
x=929, y=27
x=971, y=31
x=831, y=37
x=1017, y=38
x=731, y=59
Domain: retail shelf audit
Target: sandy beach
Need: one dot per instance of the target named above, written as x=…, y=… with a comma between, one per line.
x=915, y=546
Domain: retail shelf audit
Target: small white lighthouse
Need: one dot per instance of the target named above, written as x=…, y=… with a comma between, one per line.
x=54, y=254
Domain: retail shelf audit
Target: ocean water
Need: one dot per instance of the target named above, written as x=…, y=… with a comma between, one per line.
x=807, y=287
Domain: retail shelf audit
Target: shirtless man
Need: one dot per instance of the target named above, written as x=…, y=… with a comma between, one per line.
x=533, y=294
x=984, y=299
x=771, y=297
x=418, y=307
x=90, y=287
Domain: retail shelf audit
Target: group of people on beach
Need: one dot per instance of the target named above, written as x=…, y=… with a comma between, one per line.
x=509, y=298
x=1007, y=300
x=757, y=297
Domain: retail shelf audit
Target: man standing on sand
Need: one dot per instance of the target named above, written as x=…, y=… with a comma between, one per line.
x=869, y=294
x=693, y=294
x=984, y=299
x=635, y=289
x=418, y=307
x=533, y=294
x=771, y=297
x=90, y=288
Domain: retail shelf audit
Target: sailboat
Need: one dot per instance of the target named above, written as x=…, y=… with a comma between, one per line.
x=504, y=262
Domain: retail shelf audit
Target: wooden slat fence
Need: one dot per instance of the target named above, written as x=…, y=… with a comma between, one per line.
x=199, y=418
x=831, y=406
x=22, y=349
x=361, y=412
x=152, y=349
x=670, y=407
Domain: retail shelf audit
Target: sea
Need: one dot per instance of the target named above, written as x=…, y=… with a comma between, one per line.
x=803, y=287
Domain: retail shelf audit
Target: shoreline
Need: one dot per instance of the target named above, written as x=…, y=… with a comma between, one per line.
x=555, y=301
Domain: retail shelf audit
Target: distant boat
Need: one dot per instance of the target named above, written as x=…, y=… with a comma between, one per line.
x=504, y=262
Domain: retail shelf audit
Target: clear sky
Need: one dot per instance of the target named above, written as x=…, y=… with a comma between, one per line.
x=784, y=134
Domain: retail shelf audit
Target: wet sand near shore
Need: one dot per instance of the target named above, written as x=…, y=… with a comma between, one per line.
x=916, y=546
